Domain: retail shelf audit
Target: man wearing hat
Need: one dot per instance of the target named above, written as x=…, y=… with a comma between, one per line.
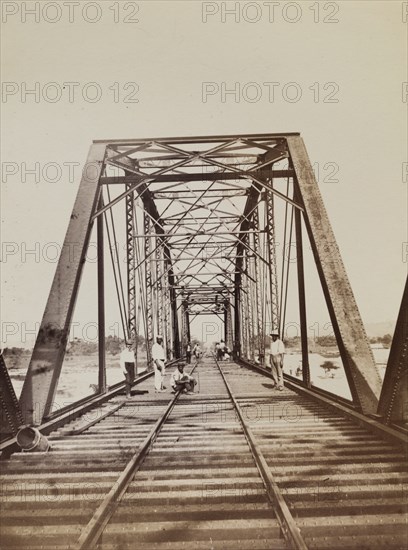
x=276, y=352
x=159, y=358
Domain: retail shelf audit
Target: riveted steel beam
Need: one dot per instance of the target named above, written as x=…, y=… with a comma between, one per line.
x=130, y=265
x=43, y=373
x=362, y=373
x=186, y=177
x=258, y=297
x=302, y=300
x=274, y=137
x=393, y=404
x=250, y=309
x=159, y=287
x=10, y=413
x=149, y=292
x=273, y=277
x=101, y=306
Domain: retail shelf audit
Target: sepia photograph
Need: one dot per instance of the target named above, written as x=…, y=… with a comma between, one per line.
x=204, y=293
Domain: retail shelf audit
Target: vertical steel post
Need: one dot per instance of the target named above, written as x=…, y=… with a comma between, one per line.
x=188, y=329
x=131, y=275
x=149, y=290
x=258, y=300
x=184, y=326
x=101, y=304
x=159, y=286
x=167, y=318
x=225, y=322
x=244, y=325
x=244, y=306
x=230, y=335
x=174, y=318
x=273, y=277
x=237, y=345
x=250, y=309
x=302, y=297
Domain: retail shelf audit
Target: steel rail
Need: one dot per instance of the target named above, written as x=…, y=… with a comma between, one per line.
x=83, y=429
x=96, y=525
x=290, y=530
x=363, y=478
x=339, y=404
x=71, y=412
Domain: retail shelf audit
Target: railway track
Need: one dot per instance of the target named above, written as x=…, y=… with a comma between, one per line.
x=237, y=465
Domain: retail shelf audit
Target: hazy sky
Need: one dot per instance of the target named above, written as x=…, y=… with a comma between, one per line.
x=341, y=84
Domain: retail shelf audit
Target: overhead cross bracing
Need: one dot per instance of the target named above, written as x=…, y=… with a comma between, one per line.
x=200, y=190
x=201, y=239
x=213, y=209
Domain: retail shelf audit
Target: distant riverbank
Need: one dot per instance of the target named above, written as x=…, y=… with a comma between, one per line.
x=79, y=374
x=336, y=381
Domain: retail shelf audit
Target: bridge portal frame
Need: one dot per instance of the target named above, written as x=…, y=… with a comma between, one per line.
x=45, y=366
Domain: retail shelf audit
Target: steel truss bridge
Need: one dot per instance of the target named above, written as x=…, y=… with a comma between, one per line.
x=200, y=217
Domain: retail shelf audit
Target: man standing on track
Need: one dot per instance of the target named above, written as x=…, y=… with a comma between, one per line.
x=188, y=353
x=159, y=359
x=276, y=352
x=221, y=350
x=127, y=364
x=197, y=352
x=217, y=351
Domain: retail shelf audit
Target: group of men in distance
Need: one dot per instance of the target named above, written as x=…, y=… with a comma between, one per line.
x=222, y=351
x=184, y=382
x=179, y=379
x=196, y=352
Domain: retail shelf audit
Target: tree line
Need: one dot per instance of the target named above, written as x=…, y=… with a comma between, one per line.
x=113, y=344
x=77, y=346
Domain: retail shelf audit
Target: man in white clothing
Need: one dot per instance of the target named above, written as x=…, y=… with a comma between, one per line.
x=276, y=352
x=197, y=352
x=127, y=364
x=159, y=359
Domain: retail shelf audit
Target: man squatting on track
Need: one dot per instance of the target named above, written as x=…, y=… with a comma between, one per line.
x=159, y=364
x=276, y=352
x=182, y=381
